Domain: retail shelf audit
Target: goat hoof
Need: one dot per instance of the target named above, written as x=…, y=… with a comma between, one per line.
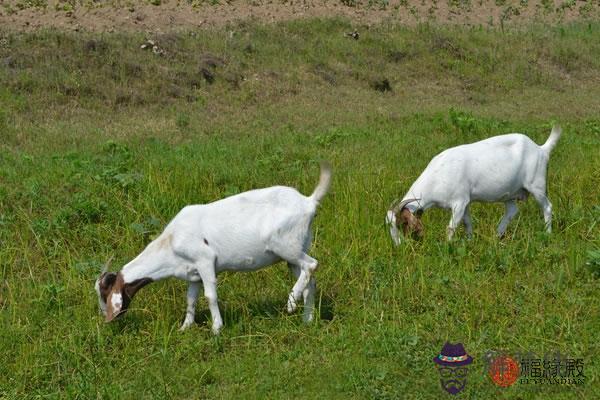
x=291, y=305
x=308, y=318
x=185, y=325
x=187, y=322
x=216, y=328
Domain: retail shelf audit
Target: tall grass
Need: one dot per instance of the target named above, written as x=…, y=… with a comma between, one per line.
x=102, y=143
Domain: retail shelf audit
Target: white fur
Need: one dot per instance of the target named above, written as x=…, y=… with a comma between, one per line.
x=244, y=232
x=100, y=301
x=117, y=301
x=390, y=219
x=503, y=168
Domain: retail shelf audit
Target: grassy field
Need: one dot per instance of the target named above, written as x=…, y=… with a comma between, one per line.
x=103, y=142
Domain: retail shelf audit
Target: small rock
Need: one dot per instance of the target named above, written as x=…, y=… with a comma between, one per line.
x=382, y=85
x=94, y=45
x=207, y=75
x=157, y=50
x=354, y=35
x=9, y=62
x=211, y=61
x=398, y=55
x=151, y=45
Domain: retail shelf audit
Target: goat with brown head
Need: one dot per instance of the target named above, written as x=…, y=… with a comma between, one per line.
x=203, y=240
x=504, y=168
x=114, y=294
x=400, y=216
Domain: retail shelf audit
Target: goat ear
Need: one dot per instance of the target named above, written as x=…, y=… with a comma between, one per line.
x=107, y=279
x=131, y=288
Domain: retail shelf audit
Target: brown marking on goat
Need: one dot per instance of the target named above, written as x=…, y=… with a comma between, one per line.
x=410, y=224
x=165, y=242
x=105, y=282
x=127, y=291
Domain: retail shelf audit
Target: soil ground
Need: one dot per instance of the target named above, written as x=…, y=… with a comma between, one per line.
x=168, y=16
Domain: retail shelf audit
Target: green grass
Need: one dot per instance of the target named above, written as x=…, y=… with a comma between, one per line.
x=102, y=143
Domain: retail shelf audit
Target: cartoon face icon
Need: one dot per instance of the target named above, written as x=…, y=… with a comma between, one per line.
x=453, y=379
x=452, y=365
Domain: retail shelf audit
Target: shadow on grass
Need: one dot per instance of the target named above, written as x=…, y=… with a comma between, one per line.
x=135, y=320
x=272, y=309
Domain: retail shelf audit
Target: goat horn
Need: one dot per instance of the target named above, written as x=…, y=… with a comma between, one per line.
x=107, y=264
x=397, y=207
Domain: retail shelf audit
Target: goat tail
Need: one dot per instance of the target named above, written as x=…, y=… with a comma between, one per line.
x=552, y=139
x=324, y=182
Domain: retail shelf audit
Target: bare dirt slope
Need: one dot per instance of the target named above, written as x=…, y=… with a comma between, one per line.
x=171, y=15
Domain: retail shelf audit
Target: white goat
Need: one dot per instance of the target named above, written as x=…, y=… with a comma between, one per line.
x=245, y=232
x=502, y=168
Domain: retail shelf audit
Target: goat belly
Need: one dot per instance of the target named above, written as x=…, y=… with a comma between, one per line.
x=249, y=262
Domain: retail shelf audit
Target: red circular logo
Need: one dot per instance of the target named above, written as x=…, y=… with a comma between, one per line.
x=504, y=371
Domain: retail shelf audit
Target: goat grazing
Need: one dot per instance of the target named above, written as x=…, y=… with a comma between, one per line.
x=244, y=232
x=502, y=168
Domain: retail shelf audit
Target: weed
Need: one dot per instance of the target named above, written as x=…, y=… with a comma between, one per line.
x=24, y=4
x=183, y=120
x=593, y=262
x=463, y=121
x=350, y=3
x=51, y=295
